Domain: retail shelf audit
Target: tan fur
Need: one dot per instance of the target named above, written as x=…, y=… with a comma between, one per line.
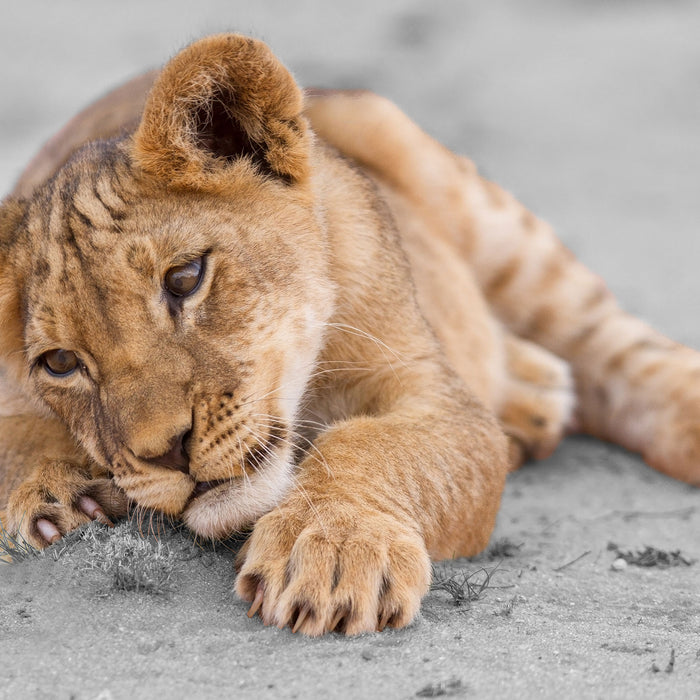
x=359, y=366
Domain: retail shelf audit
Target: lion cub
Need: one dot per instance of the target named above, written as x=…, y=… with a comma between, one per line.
x=238, y=304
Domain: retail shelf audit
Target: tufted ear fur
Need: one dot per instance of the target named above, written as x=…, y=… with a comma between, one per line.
x=223, y=102
x=11, y=331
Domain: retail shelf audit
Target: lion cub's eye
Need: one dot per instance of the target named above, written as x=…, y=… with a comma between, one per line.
x=183, y=280
x=60, y=362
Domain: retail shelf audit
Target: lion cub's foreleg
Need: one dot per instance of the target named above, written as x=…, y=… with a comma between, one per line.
x=379, y=495
x=530, y=390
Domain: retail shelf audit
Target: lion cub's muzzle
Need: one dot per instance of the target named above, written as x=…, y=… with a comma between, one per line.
x=222, y=470
x=177, y=458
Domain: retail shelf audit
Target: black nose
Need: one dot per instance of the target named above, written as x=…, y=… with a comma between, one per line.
x=176, y=457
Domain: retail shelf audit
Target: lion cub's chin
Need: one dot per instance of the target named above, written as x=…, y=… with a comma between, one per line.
x=235, y=504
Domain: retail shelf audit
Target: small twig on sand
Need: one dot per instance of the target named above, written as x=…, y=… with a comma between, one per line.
x=573, y=561
x=669, y=666
x=682, y=513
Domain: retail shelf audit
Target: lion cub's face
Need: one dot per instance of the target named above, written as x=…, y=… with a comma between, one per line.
x=174, y=332
x=173, y=289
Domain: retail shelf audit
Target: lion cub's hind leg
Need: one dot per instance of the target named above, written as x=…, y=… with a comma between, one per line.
x=537, y=401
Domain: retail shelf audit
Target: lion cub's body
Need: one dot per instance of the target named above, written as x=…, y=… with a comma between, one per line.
x=354, y=368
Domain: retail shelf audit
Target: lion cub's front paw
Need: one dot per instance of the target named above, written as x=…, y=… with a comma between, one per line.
x=355, y=572
x=58, y=498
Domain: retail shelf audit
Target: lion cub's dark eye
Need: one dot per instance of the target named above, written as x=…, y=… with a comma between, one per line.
x=183, y=280
x=60, y=362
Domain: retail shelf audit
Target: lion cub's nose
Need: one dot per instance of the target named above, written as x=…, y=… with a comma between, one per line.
x=176, y=457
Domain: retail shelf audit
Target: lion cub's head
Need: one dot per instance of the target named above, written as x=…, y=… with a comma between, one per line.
x=166, y=292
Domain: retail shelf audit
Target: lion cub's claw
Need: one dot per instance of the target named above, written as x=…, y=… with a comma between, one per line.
x=302, y=615
x=339, y=615
x=257, y=601
x=93, y=510
x=384, y=621
x=48, y=530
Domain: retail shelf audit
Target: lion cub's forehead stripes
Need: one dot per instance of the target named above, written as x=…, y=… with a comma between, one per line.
x=78, y=212
x=78, y=263
x=105, y=193
x=92, y=189
x=97, y=205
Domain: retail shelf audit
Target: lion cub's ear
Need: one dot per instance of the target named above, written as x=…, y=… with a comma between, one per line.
x=223, y=102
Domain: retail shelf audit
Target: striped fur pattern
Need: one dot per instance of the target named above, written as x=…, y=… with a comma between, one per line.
x=368, y=338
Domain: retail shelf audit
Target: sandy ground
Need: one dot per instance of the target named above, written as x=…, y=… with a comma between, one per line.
x=590, y=113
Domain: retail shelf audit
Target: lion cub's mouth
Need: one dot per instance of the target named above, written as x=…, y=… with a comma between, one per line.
x=219, y=507
x=202, y=487
x=252, y=461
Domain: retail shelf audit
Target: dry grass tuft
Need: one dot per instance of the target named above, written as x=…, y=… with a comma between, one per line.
x=126, y=560
x=15, y=549
x=651, y=556
x=454, y=686
x=502, y=549
x=463, y=586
